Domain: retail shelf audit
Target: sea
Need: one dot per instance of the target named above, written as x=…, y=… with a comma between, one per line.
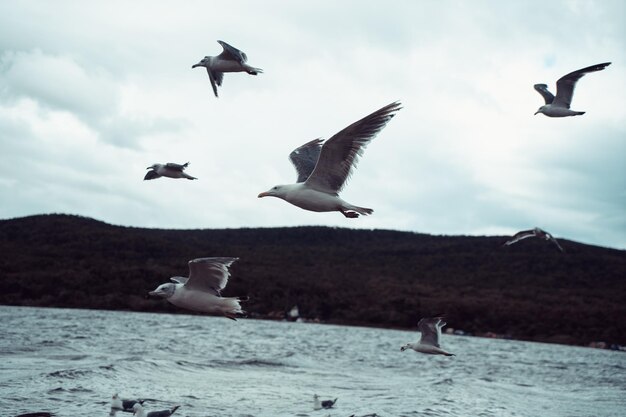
x=70, y=362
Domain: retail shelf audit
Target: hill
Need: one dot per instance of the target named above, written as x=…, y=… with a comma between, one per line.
x=378, y=278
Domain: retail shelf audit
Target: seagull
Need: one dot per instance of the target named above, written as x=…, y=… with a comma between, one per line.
x=536, y=232
x=429, y=342
x=201, y=290
x=324, y=167
x=139, y=411
x=118, y=404
x=170, y=170
x=318, y=405
x=559, y=106
x=230, y=60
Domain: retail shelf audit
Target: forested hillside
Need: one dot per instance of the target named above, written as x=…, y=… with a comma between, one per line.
x=381, y=278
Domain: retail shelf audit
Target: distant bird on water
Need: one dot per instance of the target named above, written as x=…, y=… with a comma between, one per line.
x=139, y=411
x=118, y=404
x=201, y=290
x=559, y=106
x=429, y=342
x=170, y=170
x=318, y=405
x=230, y=60
x=324, y=168
x=536, y=232
x=37, y=414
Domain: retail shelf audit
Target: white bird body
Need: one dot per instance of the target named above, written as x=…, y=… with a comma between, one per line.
x=426, y=348
x=324, y=168
x=558, y=111
x=203, y=301
x=201, y=290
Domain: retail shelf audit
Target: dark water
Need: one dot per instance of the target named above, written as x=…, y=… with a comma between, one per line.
x=72, y=361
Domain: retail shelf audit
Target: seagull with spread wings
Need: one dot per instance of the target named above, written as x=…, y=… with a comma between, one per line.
x=559, y=106
x=431, y=333
x=324, y=167
x=536, y=232
x=201, y=291
x=230, y=60
x=170, y=170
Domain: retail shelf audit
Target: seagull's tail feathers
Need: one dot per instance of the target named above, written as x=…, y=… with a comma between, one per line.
x=189, y=177
x=231, y=308
x=353, y=211
x=253, y=71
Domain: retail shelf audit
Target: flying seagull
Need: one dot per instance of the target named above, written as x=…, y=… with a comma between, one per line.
x=429, y=342
x=201, y=290
x=139, y=411
x=559, y=106
x=170, y=170
x=536, y=232
x=318, y=405
x=324, y=167
x=230, y=60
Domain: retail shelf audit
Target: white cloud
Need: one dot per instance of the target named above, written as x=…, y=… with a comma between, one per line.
x=91, y=94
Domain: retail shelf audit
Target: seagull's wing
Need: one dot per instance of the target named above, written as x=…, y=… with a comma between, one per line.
x=232, y=53
x=176, y=167
x=209, y=274
x=150, y=175
x=565, y=85
x=179, y=280
x=163, y=413
x=431, y=330
x=543, y=90
x=216, y=79
x=339, y=154
x=305, y=157
x=519, y=236
x=556, y=242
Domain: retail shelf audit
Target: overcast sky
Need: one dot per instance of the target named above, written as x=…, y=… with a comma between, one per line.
x=92, y=93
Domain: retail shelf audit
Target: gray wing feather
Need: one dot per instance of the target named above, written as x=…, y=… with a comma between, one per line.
x=150, y=175
x=543, y=90
x=216, y=78
x=340, y=153
x=431, y=330
x=565, y=85
x=179, y=280
x=176, y=167
x=519, y=236
x=305, y=157
x=209, y=274
x=232, y=53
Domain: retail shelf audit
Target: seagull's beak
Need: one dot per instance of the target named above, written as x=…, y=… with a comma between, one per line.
x=537, y=112
x=402, y=348
x=199, y=64
x=264, y=194
x=155, y=293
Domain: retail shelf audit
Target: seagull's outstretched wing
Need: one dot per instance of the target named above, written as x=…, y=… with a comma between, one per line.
x=543, y=90
x=524, y=234
x=176, y=167
x=232, y=53
x=151, y=175
x=305, y=157
x=431, y=330
x=209, y=274
x=553, y=240
x=565, y=85
x=179, y=280
x=339, y=154
x=216, y=79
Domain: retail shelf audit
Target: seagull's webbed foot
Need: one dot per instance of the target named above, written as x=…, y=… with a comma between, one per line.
x=350, y=214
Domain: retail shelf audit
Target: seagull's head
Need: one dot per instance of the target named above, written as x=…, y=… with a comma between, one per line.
x=203, y=63
x=153, y=166
x=540, y=110
x=405, y=347
x=277, y=191
x=164, y=290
